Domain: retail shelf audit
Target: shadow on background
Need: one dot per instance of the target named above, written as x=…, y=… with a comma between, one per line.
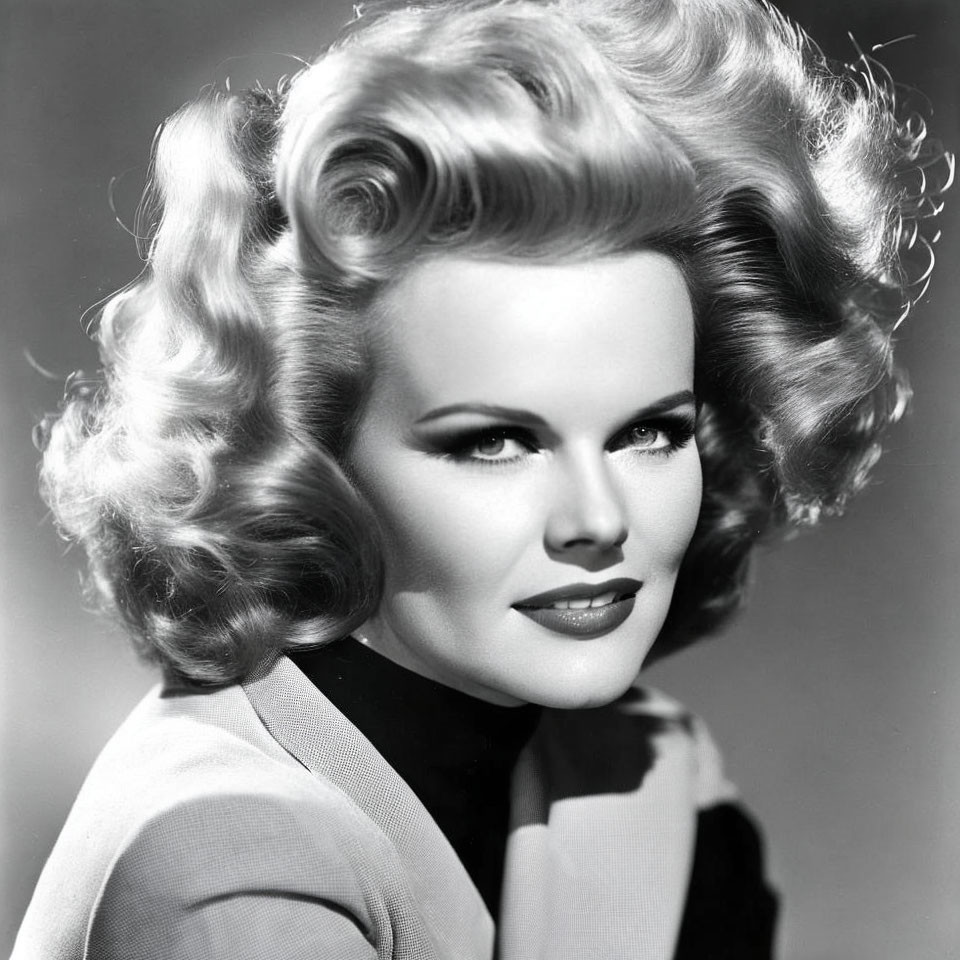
x=836, y=696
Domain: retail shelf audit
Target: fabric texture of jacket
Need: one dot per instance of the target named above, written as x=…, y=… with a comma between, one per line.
x=255, y=821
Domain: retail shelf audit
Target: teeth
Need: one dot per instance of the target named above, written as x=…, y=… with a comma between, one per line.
x=585, y=602
x=603, y=599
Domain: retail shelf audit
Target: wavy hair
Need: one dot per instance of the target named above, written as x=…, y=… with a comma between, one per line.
x=203, y=471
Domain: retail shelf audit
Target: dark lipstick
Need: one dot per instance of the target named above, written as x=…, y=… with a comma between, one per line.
x=582, y=609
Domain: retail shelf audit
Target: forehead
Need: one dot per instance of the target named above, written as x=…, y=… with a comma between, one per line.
x=492, y=331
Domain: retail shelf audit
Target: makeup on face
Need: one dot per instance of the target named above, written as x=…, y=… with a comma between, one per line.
x=583, y=609
x=528, y=449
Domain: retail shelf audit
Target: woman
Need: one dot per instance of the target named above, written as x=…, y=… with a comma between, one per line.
x=466, y=372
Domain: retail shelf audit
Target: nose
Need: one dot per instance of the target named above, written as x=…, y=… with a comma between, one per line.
x=588, y=511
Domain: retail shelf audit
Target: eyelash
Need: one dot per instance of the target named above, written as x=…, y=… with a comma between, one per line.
x=678, y=430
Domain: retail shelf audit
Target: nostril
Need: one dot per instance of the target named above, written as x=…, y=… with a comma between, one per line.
x=588, y=511
x=584, y=534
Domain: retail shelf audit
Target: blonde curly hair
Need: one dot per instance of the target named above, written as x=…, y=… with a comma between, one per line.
x=204, y=471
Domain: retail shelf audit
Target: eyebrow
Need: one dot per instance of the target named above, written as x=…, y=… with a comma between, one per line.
x=516, y=415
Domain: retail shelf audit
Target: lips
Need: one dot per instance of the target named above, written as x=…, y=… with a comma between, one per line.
x=582, y=609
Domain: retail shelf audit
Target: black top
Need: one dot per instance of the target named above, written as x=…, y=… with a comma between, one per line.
x=456, y=752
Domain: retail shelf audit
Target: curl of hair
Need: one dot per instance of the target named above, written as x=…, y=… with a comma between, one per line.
x=205, y=477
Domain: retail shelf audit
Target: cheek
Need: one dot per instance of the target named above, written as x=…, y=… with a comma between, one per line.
x=687, y=498
x=666, y=512
x=445, y=537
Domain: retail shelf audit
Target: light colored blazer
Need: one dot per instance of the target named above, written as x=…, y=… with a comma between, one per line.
x=255, y=821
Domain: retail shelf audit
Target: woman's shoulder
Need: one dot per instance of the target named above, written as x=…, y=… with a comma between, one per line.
x=178, y=745
x=183, y=758
x=617, y=746
x=239, y=866
x=192, y=802
x=708, y=773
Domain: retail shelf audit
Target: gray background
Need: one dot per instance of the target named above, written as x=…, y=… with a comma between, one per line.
x=836, y=697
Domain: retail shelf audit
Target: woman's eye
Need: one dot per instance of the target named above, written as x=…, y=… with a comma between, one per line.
x=646, y=437
x=492, y=446
x=496, y=446
x=657, y=437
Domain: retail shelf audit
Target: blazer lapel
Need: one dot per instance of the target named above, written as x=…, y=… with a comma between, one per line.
x=597, y=866
x=311, y=729
x=603, y=816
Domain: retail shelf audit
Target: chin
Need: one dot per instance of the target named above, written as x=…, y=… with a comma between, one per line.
x=583, y=690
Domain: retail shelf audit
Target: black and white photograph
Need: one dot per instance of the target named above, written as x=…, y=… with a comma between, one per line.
x=480, y=480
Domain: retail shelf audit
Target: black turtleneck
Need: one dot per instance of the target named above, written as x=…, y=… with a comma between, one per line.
x=456, y=752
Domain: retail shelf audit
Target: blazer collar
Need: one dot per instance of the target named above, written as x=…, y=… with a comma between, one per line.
x=306, y=724
x=601, y=841
x=603, y=812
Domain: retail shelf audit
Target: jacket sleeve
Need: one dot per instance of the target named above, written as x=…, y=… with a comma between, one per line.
x=235, y=877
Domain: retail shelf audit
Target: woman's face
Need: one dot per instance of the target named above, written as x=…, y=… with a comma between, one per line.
x=528, y=448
